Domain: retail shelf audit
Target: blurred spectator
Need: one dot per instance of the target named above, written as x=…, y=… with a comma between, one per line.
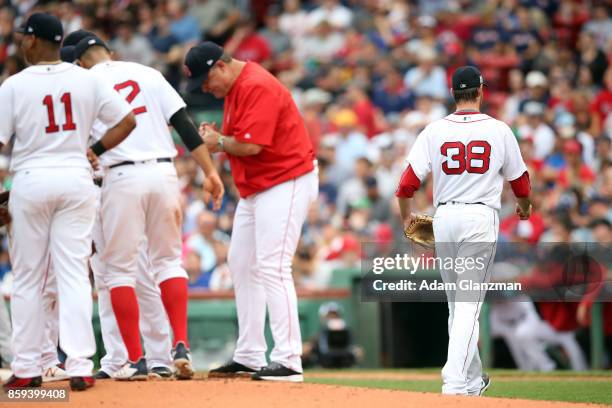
x=537, y=130
x=391, y=95
x=214, y=17
x=350, y=143
x=247, y=45
x=600, y=25
x=322, y=43
x=184, y=27
x=203, y=241
x=427, y=78
x=278, y=40
x=132, y=46
x=331, y=11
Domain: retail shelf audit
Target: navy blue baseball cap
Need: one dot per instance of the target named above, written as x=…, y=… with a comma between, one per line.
x=67, y=50
x=43, y=25
x=86, y=43
x=467, y=77
x=199, y=61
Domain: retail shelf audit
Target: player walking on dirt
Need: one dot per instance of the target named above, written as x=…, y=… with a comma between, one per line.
x=469, y=154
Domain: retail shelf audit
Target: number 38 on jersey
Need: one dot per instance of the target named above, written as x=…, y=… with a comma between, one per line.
x=474, y=157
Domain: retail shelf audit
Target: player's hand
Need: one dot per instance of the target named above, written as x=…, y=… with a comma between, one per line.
x=210, y=136
x=408, y=220
x=215, y=189
x=94, y=160
x=523, y=212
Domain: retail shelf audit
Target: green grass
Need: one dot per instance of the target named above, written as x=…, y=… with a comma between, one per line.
x=508, y=384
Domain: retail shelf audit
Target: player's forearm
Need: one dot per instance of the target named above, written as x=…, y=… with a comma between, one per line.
x=116, y=134
x=202, y=156
x=236, y=148
x=404, y=205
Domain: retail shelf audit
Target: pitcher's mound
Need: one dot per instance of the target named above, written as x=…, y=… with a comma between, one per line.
x=247, y=393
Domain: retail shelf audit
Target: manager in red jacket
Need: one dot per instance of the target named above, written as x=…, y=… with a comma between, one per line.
x=274, y=168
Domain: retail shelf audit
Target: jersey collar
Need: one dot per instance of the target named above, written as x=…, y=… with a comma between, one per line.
x=467, y=112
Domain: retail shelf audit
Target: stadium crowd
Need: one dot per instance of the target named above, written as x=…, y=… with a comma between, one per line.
x=368, y=75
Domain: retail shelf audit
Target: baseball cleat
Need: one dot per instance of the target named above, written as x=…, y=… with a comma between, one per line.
x=231, y=369
x=182, y=362
x=157, y=373
x=81, y=383
x=133, y=371
x=16, y=382
x=277, y=372
x=55, y=373
x=102, y=375
x=486, y=382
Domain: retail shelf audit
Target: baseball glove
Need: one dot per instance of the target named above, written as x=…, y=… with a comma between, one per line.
x=5, y=216
x=420, y=230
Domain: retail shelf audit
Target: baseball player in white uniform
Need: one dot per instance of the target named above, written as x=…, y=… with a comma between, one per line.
x=50, y=107
x=154, y=325
x=469, y=154
x=140, y=198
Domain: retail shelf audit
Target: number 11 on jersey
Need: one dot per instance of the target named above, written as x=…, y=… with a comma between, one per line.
x=66, y=99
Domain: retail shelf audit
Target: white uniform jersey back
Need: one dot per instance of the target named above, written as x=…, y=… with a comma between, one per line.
x=153, y=101
x=51, y=109
x=469, y=155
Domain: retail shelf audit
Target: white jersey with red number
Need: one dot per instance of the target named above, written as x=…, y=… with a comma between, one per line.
x=470, y=155
x=51, y=109
x=153, y=101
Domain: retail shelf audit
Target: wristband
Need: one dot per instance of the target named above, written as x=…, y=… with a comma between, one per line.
x=98, y=148
x=220, y=141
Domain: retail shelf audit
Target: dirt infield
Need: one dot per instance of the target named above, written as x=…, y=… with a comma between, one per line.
x=247, y=393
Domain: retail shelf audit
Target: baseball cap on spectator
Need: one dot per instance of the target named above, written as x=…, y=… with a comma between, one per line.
x=329, y=142
x=315, y=96
x=571, y=146
x=383, y=233
x=536, y=78
x=427, y=21
x=344, y=118
x=67, y=50
x=565, y=125
x=533, y=108
x=86, y=43
x=467, y=77
x=199, y=61
x=43, y=25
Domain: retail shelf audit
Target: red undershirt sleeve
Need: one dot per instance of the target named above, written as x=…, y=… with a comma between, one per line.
x=409, y=183
x=521, y=186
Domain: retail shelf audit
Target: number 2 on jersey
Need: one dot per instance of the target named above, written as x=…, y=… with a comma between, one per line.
x=132, y=95
x=456, y=152
x=67, y=101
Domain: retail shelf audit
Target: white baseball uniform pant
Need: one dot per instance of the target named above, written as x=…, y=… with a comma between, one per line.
x=141, y=200
x=50, y=306
x=154, y=326
x=53, y=212
x=536, y=334
x=465, y=231
x=267, y=228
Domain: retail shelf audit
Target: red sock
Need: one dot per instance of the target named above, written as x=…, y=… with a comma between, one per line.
x=125, y=306
x=174, y=296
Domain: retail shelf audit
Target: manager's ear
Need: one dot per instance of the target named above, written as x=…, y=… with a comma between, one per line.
x=451, y=91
